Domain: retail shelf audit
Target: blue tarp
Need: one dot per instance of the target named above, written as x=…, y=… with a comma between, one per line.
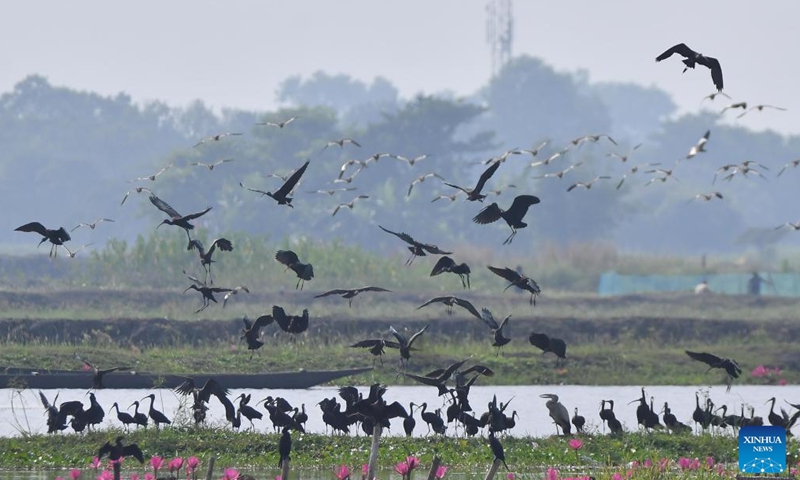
x=776, y=284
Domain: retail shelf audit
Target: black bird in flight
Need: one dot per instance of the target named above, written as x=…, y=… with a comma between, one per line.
x=290, y=323
x=224, y=245
x=304, y=271
x=176, y=218
x=447, y=264
x=693, y=58
x=416, y=248
x=282, y=194
x=450, y=301
x=97, y=374
x=497, y=329
x=728, y=364
x=512, y=216
x=376, y=346
x=518, y=280
x=252, y=331
x=547, y=343
x=406, y=344
x=475, y=194
x=351, y=293
x=56, y=237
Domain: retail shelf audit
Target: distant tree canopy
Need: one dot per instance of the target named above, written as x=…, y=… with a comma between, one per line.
x=68, y=157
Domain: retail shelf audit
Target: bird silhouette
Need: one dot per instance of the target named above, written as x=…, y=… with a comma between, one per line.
x=475, y=193
x=416, y=248
x=348, y=205
x=216, y=138
x=137, y=190
x=699, y=146
x=517, y=280
x=176, y=219
x=692, y=58
x=559, y=174
x=421, y=179
x=279, y=124
x=588, y=184
x=794, y=163
x=549, y=344
x=497, y=449
x=411, y=161
x=340, y=143
x=282, y=194
x=117, y=450
x=451, y=301
x=447, y=264
x=212, y=166
x=376, y=346
x=152, y=177
x=742, y=105
x=406, y=344
x=224, y=245
x=512, y=216
x=497, y=329
x=760, y=108
x=55, y=237
x=592, y=138
x=728, y=364
x=290, y=323
x=304, y=271
x=98, y=374
x=624, y=157
x=252, y=332
x=351, y=293
x=91, y=225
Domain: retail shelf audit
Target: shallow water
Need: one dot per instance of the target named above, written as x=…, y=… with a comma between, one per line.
x=21, y=411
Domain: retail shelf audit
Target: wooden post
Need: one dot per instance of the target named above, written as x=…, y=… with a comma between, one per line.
x=285, y=469
x=493, y=471
x=210, y=470
x=117, y=470
x=434, y=467
x=373, y=452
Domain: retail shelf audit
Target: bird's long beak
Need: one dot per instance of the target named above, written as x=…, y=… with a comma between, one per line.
x=637, y=400
x=162, y=223
x=187, y=289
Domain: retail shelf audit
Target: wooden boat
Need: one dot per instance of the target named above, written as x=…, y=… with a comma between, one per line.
x=14, y=377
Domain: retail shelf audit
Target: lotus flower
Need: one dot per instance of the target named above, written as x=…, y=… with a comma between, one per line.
x=342, y=472
x=721, y=470
x=440, y=472
x=134, y=476
x=402, y=468
x=616, y=476
x=647, y=463
x=149, y=476
x=105, y=475
x=710, y=462
x=684, y=463
x=96, y=463
x=74, y=473
x=413, y=462
x=575, y=444
x=782, y=382
x=695, y=464
x=59, y=478
x=175, y=464
x=760, y=371
x=552, y=474
x=156, y=462
x=230, y=474
x=364, y=471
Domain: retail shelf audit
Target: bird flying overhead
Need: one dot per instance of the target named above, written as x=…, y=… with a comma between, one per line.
x=416, y=248
x=728, y=364
x=475, y=193
x=279, y=124
x=215, y=138
x=700, y=146
x=351, y=293
x=518, y=280
x=692, y=58
x=513, y=216
x=210, y=166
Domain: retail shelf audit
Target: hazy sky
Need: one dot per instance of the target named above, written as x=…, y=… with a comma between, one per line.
x=235, y=53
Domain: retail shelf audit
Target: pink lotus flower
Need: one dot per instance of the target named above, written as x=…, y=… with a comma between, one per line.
x=402, y=468
x=782, y=382
x=342, y=472
x=74, y=474
x=552, y=474
x=105, y=475
x=647, y=463
x=230, y=474
x=96, y=463
x=721, y=470
x=684, y=463
x=149, y=476
x=575, y=444
x=364, y=471
x=134, y=476
x=192, y=463
x=710, y=462
x=510, y=476
x=59, y=478
x=175, y=464
x=413, y=462
x=440, y=472
x=156, y=462
x=695, y=464
x=616, y=476
x=663, y=464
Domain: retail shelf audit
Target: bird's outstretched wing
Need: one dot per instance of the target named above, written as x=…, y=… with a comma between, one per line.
x=292, y=181
x=287, y=257
x=680, y=48
x=134, y=451
x=716, y=70
x=223, y=243
x=402, y=236
x=433, y=249
x=519, y=207
x=507, y=273
x=192, y=216
x=707, y=358
x=338, y=291
x=488, y=319
x=539, y=340
x=444, y=264
x=164, y=206
x=263, y=321
x=32, y=227
x=372, y=289
x=414, y=337
x=435, y=300
x=490, y=214
x=486, y=175
x=467, y=306
x=401, y=339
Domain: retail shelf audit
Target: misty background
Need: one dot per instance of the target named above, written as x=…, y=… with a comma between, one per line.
x=68, y=154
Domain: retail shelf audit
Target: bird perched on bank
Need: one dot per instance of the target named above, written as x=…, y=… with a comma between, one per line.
x=351, y=293
x=55, y=237
x=549, y=344
x=447, y=264
x=558, y=412
x=692, y=58
x=224, y=245
x=117, y=450
x=512, y=216
x=304, y=271
x=518, y=280
x=728, y=364
x=176, y=219
x=475, y=193
x=285, y=446
x=497, y=449
x=416, y=248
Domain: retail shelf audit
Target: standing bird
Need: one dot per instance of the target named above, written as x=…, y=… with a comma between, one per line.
x=558, y=412
x=447, y=264
x=512, y=216
x=497, y=330
x=285, y=446
x=579, y=421
x=176, y=218
x=304, y=271
x=281, y=195
x=117, y=450
x=56, y=237
x=56, y=421
x=518, y=280
x=549, y=344
x=406, y=344
x=139, y=418
x=211, y=166
x=497, y=449
x=215, y=138
x=91, y=225
x=157, y=417
x=224, y=245
x=416, y=248
x=125, y=418
x=693, y=58
x=475, y=193
x=728, y=364
x=351, y=293
x=348, y=205
x=700, y=146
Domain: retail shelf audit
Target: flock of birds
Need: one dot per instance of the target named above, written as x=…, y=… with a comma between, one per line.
x=371, y=410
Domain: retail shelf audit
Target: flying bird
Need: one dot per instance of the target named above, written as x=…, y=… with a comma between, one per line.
x=587, y=185
x=332, y=191
x=351, y=293
x=475, y=193
x=176, y=218
x=406, y=344
x=411, y=161
x=547, y=343
x=376, y=346
x=279, y=124
x=624, y=157
x=232, y=292
x=348, y=205
x=304, y=271
x=517, y=151
x=561, y=173
x=452, y=197
x=712, y=96
x=512, y=216
x=793, y=226
x=497, y=329
x=550, y=159
x=633, y=170
x=281, y=195
x=152, y=177
x=706, y=197
x=518, y=280
x=224, y=245
x=692, y=58
x=700, y=146
x=760, y=108
x=421, y=179
x=73, y=253
x=376, y=157
x=451, y=301
x=416, y=248
x=55, y=237
x=211, y=166
x=215, y=138
x=728, y=364
x=793, y=164
x=92, y=225
x=340, y=143
x=592, y=138
x=742, y=105
x=345, y=165
x=447, y=264
x=137, y=190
